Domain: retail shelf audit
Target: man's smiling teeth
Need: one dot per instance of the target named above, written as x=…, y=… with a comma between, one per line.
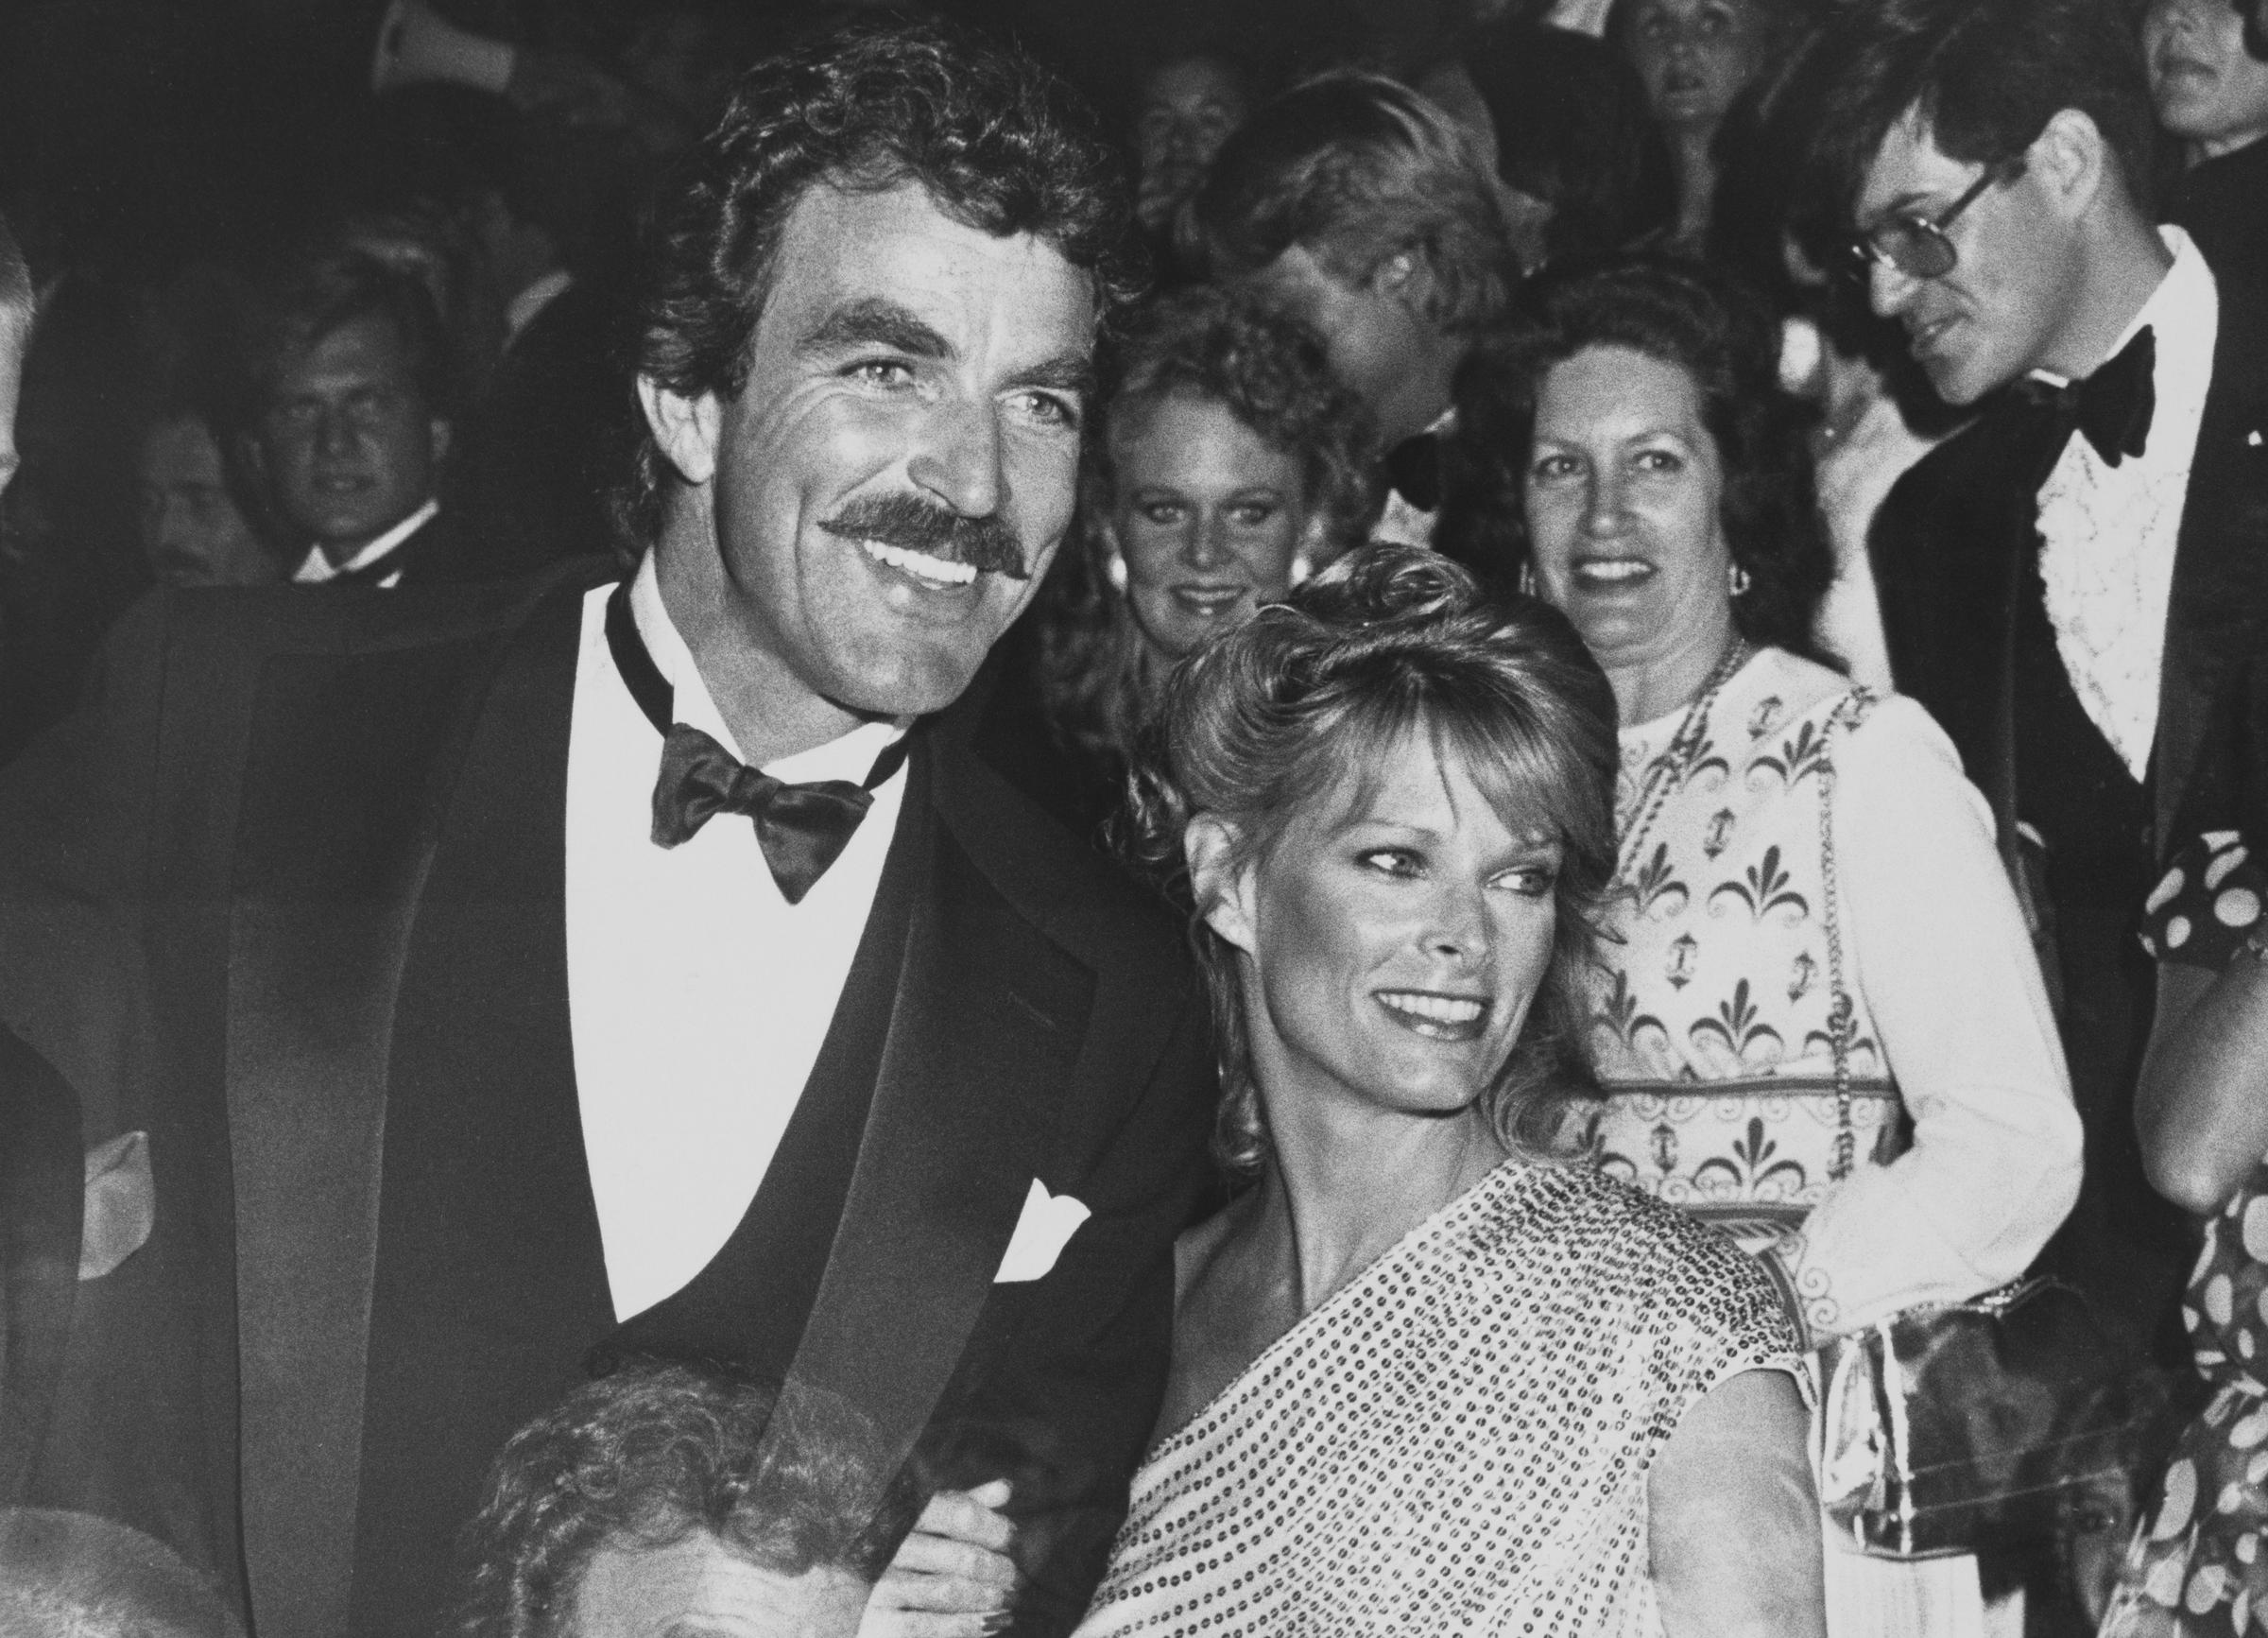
x=1440, y=1008
x=937, y=571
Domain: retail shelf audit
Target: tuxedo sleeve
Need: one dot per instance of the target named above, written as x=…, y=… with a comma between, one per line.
x=75, y=816
x=1067, y=1407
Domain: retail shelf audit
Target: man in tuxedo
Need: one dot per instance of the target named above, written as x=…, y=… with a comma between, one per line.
x=2064, y=583
x=1360, y=208
x=490, y=1013
x=353, y=424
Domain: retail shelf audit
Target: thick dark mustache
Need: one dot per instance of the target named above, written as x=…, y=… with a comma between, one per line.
x=987, y=545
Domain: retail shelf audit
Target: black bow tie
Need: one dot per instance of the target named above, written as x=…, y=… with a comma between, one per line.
x=2113, y=406
x=1414, y=468
x=801, y=828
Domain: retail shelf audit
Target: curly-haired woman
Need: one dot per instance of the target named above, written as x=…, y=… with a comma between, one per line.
x=1819, y=1024
x=1226, y=465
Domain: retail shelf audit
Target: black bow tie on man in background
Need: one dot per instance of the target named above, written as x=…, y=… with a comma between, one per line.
x=801, y=828
x=2113, y=406
x=1414, y=468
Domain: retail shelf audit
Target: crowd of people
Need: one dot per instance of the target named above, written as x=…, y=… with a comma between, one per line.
x=1497, y=859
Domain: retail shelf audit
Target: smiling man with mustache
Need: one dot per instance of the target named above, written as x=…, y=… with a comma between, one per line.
x=565, y=972
x=2064, y=583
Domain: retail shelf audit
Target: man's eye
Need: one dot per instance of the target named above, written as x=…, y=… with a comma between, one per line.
x=1161, y=512
x=1048, y=410
x=1551, y=467
x=880, y=372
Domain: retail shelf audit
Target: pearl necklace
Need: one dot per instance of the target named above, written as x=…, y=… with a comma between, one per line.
x=1667, y=771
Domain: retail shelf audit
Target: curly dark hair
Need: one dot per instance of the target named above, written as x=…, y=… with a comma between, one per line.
x=997, y=141
x=1707, y=324
x=1096, y=674
x=1309, y=697
x=1985, y=75
x=655, y=1454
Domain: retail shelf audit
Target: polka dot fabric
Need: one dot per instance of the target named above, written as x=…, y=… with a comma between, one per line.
x=2198, y=1566
x=1457, y=1442
x=2208, y=903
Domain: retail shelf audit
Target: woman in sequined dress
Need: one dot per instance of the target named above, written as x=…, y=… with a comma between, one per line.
x=2198, y=1566
x=1658, y=480
x=1431, y=1374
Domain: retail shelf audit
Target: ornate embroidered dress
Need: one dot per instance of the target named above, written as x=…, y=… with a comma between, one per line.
x=1709, y=1023
x=1456, y=1442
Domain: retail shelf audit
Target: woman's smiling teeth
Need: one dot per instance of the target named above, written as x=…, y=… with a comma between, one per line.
x=1451, y=1017
x=936, y=571
x=1208, y=602
x=1613, y=571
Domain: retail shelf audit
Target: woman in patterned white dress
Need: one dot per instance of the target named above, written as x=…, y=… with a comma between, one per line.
x=1663, y=493
x=1429, y=1376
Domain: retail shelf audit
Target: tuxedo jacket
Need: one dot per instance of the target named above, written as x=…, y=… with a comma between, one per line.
x=1954, y=549
x=310, y=850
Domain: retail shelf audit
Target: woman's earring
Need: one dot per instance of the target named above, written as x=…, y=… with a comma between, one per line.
x=1527, y=578
x=1302, y=570
x=1114, y=569
x=1739, y=582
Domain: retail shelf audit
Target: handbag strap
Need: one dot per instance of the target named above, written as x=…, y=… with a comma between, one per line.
x=1842, y=1011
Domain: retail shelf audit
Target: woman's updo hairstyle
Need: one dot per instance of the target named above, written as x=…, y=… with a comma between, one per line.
x=1303, y=702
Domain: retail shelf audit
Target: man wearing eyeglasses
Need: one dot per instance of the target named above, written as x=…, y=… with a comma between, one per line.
x=2063, y=583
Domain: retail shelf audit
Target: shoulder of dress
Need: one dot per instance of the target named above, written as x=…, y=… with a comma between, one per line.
x=1649, y=1254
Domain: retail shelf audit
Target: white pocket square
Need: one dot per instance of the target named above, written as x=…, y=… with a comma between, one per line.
x=1046, y=1227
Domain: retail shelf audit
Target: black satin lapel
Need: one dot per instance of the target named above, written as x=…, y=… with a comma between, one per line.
x=347, y=756
x=491, y=1276
x=989, y=1020
x=1953, y=538
x=2216, y=616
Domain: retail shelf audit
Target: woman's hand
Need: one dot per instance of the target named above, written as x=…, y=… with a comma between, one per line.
x=1733, y=1522
x=953, y=1577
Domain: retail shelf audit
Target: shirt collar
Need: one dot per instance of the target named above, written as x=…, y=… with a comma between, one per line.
x=521, y=311
x=2181, y=313
x=851, y=757
x=314, y=569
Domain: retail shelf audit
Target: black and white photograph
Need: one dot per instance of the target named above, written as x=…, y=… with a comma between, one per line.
x=1225, y=818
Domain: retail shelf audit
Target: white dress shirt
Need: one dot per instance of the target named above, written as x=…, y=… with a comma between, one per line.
x=698, y=996
x=316, y=569
x=2111, y=531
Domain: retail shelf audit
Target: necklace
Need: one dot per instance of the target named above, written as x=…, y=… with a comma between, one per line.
x=1667, y=771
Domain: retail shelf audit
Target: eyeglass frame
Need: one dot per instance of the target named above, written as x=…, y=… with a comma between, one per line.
x=1865, y=250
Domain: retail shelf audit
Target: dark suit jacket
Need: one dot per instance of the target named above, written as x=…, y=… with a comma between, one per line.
x=41, y=1199
x=1953, y=547
x=316, y=843
x=533, y=460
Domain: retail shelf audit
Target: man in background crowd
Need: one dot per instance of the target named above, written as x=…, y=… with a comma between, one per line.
x=194, y=530
x=652, y=1497
x=536, y=449
x=1358, y=207
x=2064, y=583
x=2209, y=75
x=353, y=424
